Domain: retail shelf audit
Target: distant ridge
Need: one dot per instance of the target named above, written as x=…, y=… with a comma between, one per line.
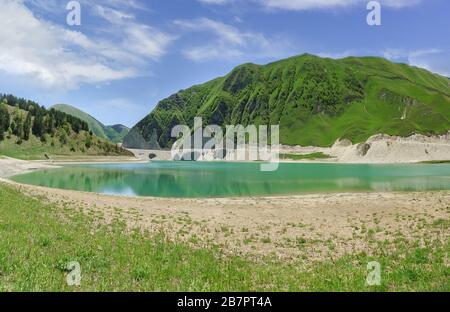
x=114, y=133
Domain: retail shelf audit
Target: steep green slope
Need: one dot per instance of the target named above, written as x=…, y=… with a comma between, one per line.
x=315, y=100
x=114, y=133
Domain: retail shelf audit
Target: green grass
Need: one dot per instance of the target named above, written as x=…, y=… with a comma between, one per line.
x=38, y=240
x=34, y=149
x=28, y=150
x=312, y=156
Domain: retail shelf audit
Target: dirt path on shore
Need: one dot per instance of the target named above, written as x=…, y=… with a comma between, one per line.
x=308, y=227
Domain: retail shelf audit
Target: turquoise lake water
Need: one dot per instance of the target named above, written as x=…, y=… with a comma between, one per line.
x=221, y=179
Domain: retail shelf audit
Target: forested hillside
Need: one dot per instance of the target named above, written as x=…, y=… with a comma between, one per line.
x=30, y=131
x=114, y=133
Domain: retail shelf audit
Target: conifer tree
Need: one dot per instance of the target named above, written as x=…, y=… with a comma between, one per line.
x=27, y=127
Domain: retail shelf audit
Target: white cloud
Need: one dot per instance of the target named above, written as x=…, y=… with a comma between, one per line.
x=228, y=42
x=39, y=50
x=402, y=54
x=146, y=41
x=132, y=4
x=300, y=5
x=59, y=6
x=57, y=57
x=398, y=4
x=53, y=6
x=212, y=52
x=136, y=39
x=113, y=16
x=227, y=33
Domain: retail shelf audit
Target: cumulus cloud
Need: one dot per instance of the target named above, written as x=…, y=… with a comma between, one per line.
x=58, y=57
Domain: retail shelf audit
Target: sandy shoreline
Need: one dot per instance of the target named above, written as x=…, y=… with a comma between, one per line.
x=314, y=227
x=11, y=166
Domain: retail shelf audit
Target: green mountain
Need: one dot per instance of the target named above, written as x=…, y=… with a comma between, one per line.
x=114, y=133
x=315, y=100
x=29, y=131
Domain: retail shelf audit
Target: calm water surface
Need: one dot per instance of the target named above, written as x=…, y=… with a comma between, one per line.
x=220, y=179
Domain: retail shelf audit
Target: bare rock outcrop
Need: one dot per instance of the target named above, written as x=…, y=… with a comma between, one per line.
x=363, y=148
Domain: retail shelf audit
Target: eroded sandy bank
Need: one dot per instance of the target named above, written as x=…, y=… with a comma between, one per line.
x=377, y=149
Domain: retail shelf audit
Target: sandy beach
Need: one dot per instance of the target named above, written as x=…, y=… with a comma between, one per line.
x=313, y=227
x=11, y=166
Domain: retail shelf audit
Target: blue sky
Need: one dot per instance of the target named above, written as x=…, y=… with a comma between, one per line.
x=127, y=55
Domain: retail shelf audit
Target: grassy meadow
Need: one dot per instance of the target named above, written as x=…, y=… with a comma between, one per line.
x=311, y=156
x=38, y=240
x=75, y=145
